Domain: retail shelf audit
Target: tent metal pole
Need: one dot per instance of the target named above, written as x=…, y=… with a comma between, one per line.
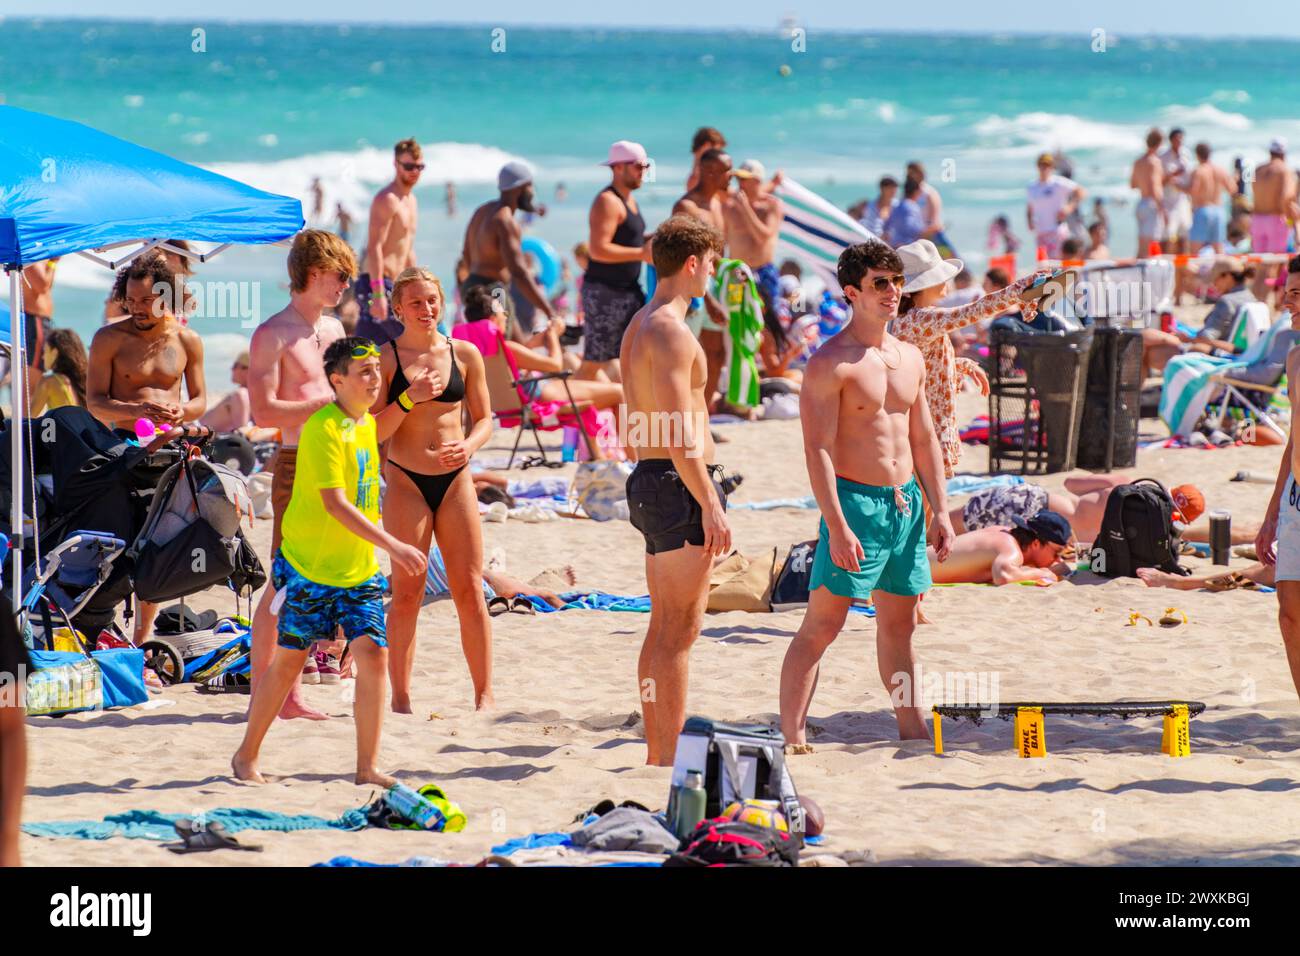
x=17, y=400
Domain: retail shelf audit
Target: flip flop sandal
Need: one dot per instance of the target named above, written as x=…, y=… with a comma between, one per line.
x=799, y=748
x=497, y=606
x=521, y=605
x=1173, y=617
x=1135, y=616
x=210, y=836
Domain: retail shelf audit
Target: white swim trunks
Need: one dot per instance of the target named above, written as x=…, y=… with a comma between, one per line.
x=1288, y=533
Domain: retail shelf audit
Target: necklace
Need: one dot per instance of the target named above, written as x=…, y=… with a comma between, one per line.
x=315, y=326
x=880, y=352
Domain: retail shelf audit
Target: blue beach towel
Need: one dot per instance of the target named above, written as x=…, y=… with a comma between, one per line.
x=155, y=825
x=595, y=601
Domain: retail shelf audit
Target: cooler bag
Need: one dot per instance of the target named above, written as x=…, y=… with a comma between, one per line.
x=739, y=762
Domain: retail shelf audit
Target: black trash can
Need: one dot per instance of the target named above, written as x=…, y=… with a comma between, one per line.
x=1112, y=403
x=1036, y=390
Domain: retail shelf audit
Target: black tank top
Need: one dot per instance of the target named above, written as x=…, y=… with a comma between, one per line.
x=454, y=391
x=630, y=232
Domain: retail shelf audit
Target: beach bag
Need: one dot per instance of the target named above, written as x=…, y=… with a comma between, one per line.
x=1137, y=531
x=63, y=682
x=191, y=538
x=790, y=590
x=739, y=583
x=600, y=489
x=739, y=762
x=724, y=842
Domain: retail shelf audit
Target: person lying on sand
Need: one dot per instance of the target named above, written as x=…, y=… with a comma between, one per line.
x=1029, y=550
x=1083, y=504
x=496, y=583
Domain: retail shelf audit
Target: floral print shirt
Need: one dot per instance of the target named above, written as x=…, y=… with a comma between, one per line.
x=929, y=329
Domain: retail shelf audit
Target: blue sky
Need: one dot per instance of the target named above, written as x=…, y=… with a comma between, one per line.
x=1198, y=17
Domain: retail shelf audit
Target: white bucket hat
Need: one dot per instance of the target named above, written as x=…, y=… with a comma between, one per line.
x=924, y=267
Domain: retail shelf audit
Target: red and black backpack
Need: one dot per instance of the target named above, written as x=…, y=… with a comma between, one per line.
x=725, y=842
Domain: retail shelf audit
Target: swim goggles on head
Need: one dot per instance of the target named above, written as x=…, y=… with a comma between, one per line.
x=365, y=351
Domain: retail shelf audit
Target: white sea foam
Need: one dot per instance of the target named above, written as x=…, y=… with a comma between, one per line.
x=1205, y=114
x=352, y=177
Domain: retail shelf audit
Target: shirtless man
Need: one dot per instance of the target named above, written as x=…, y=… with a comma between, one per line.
x=867, y=430
x=135, y=367
x=390, y=244
x=704, y=203
x=1148, y=179
x=753, y=218
x=673, y=495
x=1274, y=200
x=286, y=386
x=1025, y=551
x=1207, y=187
x=492, y=244
x=1278, y=542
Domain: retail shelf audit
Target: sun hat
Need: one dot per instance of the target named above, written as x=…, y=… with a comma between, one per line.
x=923, y=267
x=514, y=174
x=1226, y=265
x=626, y=151
x=750, y=169
x=1045, y=526
x=1190, y=502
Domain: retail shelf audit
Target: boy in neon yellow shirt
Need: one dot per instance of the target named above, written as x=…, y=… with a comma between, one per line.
x=325, y=573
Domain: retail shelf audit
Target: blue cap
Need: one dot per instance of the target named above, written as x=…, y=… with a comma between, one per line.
x=1046, y=526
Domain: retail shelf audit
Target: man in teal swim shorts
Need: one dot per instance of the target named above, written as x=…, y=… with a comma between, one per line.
x=868, y=438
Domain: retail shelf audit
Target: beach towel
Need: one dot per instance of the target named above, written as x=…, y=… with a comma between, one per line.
x=969, y=484
x=595, y=601
x=532, y=842
x=808, y=501
x=815, y=231
x=155, y=825
x=734, y=287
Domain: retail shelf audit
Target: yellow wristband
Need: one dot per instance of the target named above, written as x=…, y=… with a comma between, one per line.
x=404, y=402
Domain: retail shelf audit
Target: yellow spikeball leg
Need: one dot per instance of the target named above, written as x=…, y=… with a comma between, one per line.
x=1031, y=737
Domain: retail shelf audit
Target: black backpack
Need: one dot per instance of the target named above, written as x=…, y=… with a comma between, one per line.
x=1137, y=531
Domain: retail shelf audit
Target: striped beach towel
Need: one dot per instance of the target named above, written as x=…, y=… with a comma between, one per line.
x=1188, y=385
x=814, y=231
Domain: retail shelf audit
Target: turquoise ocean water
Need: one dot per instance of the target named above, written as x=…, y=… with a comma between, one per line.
x=276, y=105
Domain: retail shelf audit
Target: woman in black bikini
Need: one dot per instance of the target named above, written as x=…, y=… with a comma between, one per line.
x=430, y=492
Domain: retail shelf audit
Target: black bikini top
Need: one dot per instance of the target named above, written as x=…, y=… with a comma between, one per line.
x=454, y=392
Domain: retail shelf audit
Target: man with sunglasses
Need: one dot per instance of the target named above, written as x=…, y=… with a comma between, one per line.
x=611, y=286
x=287, y=385
x=868, y=437
x=390, y=244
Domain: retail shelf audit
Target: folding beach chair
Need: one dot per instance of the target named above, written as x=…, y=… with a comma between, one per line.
x=1195, y=380
x=511, y=405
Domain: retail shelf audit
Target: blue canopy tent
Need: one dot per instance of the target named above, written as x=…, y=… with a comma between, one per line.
x=66, y=188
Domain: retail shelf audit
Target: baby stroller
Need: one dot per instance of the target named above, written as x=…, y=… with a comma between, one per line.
x=86, y=476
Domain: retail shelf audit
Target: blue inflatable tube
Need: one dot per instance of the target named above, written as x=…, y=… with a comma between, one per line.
x=547, y=258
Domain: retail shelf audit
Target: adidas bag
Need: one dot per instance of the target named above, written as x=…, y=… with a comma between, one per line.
x=739, y=762
x=1137, y=531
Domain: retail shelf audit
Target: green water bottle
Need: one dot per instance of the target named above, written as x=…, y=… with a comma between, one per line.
x=691, y=800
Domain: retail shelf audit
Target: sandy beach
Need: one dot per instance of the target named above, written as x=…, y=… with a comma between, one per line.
x=566, y=733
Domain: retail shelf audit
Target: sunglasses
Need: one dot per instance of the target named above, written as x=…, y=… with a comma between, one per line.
x=413, y=167
x=365, y=351
x=881, y=283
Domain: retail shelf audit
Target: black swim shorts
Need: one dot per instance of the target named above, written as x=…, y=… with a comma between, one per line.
x=663, y=509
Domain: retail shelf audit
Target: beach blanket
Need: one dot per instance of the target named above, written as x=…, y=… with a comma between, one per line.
x=600, y=601
x=808, y=501
x=815, y=231
x=155, y=825
x=351, y=861
x=734, y=287
x=969, y=484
